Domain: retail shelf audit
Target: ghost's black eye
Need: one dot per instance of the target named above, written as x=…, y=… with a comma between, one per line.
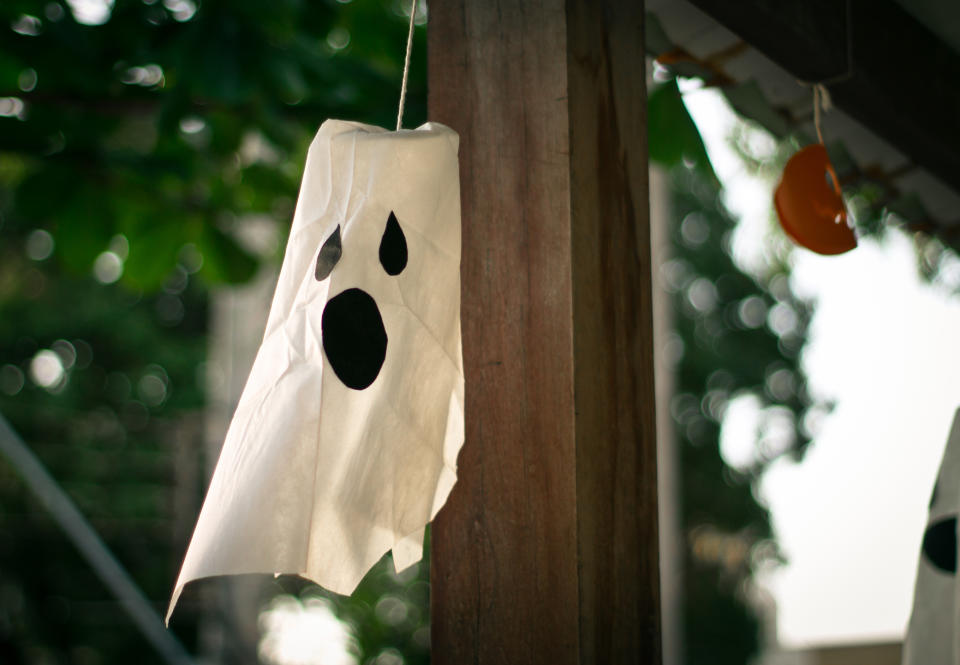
x=329, y=255
x=940, y=544
x=393, y=247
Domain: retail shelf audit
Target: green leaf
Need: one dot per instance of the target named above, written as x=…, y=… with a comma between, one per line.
x=152, y=256
x=673, y=137
x=83, y=228
x=224, y=260
x=44, y=194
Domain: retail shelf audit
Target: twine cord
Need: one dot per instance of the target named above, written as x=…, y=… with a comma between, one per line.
x=816, y=113
x=821, y=102
x=406, y=64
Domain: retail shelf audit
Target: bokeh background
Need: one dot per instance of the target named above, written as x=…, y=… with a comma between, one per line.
x=150, y=157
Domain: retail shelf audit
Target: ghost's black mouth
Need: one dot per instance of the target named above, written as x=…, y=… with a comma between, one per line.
x=354, y=338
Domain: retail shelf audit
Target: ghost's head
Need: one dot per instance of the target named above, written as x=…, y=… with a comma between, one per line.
x=371, y=274
x=354, y=339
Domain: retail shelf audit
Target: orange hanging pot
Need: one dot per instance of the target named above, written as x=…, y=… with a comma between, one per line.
x=810, y=208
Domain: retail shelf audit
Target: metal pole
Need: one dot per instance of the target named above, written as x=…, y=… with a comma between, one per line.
x=72, y=521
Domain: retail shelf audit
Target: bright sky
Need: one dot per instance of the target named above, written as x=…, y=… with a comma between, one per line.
x=884, y=345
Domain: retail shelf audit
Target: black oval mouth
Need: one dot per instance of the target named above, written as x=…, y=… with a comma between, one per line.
x=354, y=338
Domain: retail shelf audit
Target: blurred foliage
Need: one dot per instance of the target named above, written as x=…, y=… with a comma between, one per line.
x=388, y=613
x=737, y=336
x=169, y=123
x=765, y=156
x=875, y=204
x=135, y=151
x=673, y=138
x=118, y=371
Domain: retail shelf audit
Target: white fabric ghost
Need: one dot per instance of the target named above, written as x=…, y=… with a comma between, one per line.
x=932, y=637
x=344, y=442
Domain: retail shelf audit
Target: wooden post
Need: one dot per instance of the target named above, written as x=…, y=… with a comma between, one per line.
x=547, y=549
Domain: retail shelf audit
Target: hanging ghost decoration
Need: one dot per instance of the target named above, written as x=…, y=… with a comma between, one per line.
x=932, y=636
x=344, y=442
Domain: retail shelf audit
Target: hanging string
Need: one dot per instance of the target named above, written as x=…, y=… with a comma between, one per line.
x=406, y=64
x=821, y=101
x=816, y=113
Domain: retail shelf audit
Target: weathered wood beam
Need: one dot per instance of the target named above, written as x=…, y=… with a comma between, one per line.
x=547, y=549
x=883, y=67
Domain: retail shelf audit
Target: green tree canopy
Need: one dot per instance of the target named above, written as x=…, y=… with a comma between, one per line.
x=736, y=335
x=171, y=123
x=134, y=149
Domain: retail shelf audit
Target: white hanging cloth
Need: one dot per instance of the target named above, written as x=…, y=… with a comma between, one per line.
x=932, y=636
x=344, y=443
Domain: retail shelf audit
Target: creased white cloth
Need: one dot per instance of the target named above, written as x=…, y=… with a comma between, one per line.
x=933, y=637
x=317, y=478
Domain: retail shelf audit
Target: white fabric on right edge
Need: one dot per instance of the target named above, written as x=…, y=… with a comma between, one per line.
x=932, y=637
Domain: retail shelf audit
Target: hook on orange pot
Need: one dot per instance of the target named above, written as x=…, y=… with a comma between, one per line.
x=810, y=210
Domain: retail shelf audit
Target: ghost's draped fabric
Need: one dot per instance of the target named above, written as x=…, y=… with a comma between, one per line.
x=344, y=442
x=933, y=637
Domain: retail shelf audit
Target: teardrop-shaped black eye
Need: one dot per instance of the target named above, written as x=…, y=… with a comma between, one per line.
x=393, y=247
x=329, y=255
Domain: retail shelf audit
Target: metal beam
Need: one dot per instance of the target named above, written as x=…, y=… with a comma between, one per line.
x=78, y=529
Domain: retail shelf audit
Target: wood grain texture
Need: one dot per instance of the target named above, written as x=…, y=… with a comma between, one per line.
x=613, y=335
x=539, y=555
